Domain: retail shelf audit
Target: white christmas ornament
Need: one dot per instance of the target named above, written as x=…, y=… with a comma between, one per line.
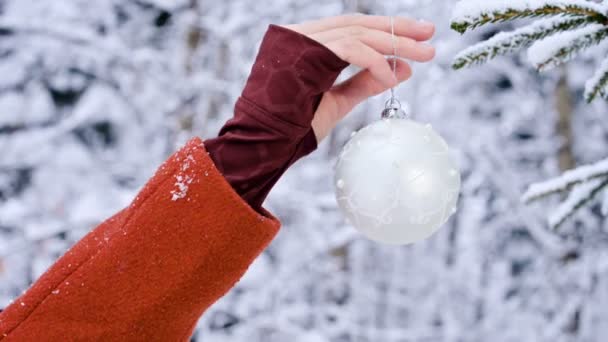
x=395, y=180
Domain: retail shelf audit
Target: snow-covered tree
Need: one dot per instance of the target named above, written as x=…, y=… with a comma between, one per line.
x=560, y=30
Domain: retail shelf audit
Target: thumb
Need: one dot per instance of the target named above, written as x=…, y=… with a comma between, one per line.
x=363, y=85
x=342, y=98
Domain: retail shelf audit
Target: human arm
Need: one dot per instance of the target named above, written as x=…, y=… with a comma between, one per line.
x=149, y=272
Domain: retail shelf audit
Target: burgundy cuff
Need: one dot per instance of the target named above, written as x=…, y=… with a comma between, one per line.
x=290, y=74
x=271, y=127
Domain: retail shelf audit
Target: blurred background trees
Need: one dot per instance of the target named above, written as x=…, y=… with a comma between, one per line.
x=94, y=95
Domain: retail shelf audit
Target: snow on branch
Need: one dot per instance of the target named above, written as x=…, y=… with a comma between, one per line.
x=470, y=14
x=508, y=42
x=597, y=85
x=566, y=181
x=555, y=50
x=577, y=198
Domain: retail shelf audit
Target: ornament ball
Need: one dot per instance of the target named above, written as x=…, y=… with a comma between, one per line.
x=396, y=182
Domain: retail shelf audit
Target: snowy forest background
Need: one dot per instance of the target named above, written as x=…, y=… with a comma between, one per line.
x=94, y=95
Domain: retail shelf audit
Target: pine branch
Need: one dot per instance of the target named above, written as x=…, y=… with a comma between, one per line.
x=509, y=42
x=598, y=84
x=566, y=181
x=469, y=15
x=555, y=50
x=579, y=196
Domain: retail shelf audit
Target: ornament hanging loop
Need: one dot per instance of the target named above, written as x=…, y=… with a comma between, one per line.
x=392, y=107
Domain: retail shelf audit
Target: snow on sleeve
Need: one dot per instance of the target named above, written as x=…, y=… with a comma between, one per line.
x=183, y=179
x=569, y=178
x=468, y=11
x=543, y=54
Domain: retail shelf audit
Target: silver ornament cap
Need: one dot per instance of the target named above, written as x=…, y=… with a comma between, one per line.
x=393, y=110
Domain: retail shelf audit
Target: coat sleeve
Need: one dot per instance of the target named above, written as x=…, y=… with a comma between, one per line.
x=149, y=272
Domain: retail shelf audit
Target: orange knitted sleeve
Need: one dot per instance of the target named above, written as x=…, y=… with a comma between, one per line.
x=149, y=272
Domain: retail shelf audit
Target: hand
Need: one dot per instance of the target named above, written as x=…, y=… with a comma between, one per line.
x=364, y=40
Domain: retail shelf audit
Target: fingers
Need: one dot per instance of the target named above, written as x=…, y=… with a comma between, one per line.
x=355, y=52
x=364, y=85
x=380, y=41
x=362, y=40
x=406, y=27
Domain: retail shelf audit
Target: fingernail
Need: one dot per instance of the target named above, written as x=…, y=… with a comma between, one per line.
x=426, y=23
